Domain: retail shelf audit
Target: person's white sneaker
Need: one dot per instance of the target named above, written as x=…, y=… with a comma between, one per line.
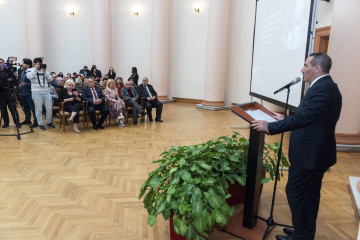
x=121, y=123
x=121, y=116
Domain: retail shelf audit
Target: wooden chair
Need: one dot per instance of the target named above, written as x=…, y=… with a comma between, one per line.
x=97, y=115
x=64, y=115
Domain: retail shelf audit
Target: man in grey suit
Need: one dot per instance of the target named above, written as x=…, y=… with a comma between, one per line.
x=312, y=147
x=130, y=94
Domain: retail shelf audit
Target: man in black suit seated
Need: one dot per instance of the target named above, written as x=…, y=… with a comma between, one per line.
x=94, y=96
x=132, y=97
x=85, y=71
x=312, y=147
x=148, y=92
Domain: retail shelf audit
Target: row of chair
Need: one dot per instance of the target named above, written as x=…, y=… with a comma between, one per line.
x=85, y=114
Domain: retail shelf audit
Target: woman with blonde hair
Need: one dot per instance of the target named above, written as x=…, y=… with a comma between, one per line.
x=72, y=102
x=116, y=105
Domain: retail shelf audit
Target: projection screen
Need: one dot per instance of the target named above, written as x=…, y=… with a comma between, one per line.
x=282, y=40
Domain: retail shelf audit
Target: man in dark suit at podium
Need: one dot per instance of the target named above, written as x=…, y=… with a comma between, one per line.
x=312, y=147
x=94, y=96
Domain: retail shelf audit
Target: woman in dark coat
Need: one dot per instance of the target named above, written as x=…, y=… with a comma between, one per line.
x=72, y=102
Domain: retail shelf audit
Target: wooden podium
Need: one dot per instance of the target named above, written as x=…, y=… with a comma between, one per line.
x=254, y=165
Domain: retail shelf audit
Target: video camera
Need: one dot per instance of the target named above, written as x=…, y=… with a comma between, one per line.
x=8, y=75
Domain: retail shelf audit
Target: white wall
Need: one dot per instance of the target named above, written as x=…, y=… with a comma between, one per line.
x=187, y=48
x=131, y=37
x=13, y=30
x=324, y=14
x=68, y=39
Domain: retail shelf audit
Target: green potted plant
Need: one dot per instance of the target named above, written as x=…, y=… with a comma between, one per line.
x=191, y=183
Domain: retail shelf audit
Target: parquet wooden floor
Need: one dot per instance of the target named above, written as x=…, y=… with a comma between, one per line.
x=56, y=185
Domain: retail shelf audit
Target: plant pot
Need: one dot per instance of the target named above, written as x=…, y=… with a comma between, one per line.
x=173, y=235
x=238, y=194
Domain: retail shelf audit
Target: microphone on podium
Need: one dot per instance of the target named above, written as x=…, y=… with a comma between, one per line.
x=294, y=81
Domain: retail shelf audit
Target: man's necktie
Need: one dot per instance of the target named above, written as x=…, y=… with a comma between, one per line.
x=95, y=96
x=148, y=91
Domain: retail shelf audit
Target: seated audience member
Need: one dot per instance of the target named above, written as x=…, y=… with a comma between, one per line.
x=119, y=84
x=116, y=106
x=132, y=97
x=59, y=82
x=60, y=74
x=54, y=98
x=111, y=74
x=85, y=83
x=69, y=75
x=85, y=71
x=78, y=85
x=134, y=75
x=94, y=96
x=53, y=75
x=96, y=74
x=74, y=75
x=148, y=92
x=72, y=103
x=82, y=77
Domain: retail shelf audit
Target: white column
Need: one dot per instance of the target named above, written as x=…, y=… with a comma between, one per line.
x=101, y=35
x=159, y=47
x=34, y=28
x=216, y=53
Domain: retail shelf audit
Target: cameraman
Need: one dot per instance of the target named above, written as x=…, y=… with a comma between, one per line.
x=26, y=97
x=7, y=100
x=40, y=91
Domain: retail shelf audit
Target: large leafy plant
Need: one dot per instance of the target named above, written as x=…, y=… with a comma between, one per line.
x=192, y=181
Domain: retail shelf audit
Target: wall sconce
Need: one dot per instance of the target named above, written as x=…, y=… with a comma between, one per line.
x=136, y=13
x=197, y=10
x=72, y=13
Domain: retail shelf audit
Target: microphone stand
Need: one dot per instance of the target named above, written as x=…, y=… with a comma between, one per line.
x=271, y=224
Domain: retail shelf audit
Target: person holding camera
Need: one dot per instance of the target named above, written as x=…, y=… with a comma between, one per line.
x=40, y=90
x=7, y=100
x=26, y=97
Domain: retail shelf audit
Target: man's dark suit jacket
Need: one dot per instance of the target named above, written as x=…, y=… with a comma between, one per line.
x=125, y=94
x=87, y=71
x=87, y=95
x=312, y=140
x=144, y=93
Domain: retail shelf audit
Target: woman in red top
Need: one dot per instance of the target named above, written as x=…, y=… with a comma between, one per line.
x=119, y=84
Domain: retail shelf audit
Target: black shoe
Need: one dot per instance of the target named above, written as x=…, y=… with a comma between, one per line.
x=5, y=125
x=95, y=127
x=151, y=119
x=280, y=237
x=100, y=126
x=143, y=113
x=288, y=231
x=158, y=120
x=42, y=127
x=35, y=124
x=25, y=122
x=135, y=122
x=50, y=125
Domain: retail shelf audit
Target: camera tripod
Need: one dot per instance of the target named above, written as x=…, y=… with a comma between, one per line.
x=14, y=113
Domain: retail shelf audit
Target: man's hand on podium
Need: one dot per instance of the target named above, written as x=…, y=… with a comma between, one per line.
x=260, y=125
x=278, y=116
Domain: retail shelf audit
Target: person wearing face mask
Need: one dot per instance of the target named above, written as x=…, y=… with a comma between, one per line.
x=39, y=79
